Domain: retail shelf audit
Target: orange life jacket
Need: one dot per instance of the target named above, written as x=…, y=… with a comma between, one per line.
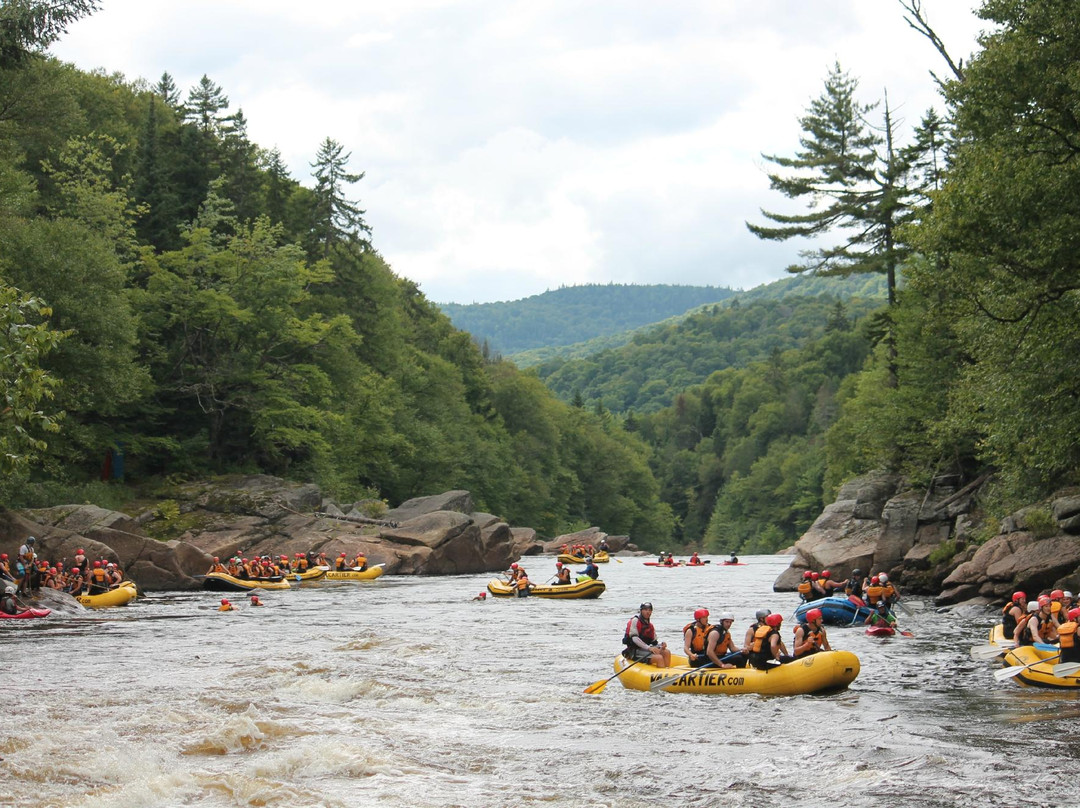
x=1067, y=634
x=874, y=593
x=760, y=643
x=805, y=589
x=697, y=642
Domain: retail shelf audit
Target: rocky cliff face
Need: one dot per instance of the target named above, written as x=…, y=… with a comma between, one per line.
x=926, y=541
x=260, y=515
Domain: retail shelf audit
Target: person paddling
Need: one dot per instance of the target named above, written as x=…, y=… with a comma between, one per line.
x=734, y=559
x=720, y=647
x=767, y=647
x=881, y=616
x=7, y=601
x=695, y=637
x=591, y=570
x=810, y=636
x=640, y=640
x=562, y=574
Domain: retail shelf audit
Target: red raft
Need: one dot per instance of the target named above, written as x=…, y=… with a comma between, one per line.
x=29, y=613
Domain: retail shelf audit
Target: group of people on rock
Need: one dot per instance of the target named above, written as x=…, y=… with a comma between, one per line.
x=710, y=644
x=871, y=589
x=269, y=567
x=1051, y=618
x=28, y=572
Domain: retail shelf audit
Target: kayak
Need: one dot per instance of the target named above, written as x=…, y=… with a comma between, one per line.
x=598, y=558
x=29, y=613
x=676, y=564
x=1040, y=674
x=732, y=563
x=120, y=596
x=370, y=574
x=817, y=673
x=880, y=631
x=586, y=589
x=223, y=582
x=836, y=611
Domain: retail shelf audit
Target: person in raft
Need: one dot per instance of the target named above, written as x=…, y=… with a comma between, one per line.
x=720, y=648
x=1012, y=614
x=694, y=559
x=225, y=606
x=360, y=561
x=810, y=636
x=562, y=574
x=640, y=640
x=341, y=563
x=767, y=647
x=255, y=601
x=695, y=638
x=1070, y=649
x=759, y=621
x=733, y=560
x=591, y=569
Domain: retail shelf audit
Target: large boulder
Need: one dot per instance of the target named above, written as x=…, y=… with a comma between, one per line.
x=460, y=501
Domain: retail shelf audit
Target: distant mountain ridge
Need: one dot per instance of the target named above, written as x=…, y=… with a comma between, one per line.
x=574, y=314
x=577, y=321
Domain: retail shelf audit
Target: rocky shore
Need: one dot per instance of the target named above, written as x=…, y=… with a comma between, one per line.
x=166, y=546
x=932, y=543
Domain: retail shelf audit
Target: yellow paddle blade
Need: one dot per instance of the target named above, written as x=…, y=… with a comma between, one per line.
x=597, y=687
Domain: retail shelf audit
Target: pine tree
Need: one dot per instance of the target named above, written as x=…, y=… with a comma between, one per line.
x=29, y=26
x=337, y=219
x=205, y=101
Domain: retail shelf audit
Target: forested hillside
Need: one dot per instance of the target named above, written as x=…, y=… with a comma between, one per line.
x=646, y=374
x=175, y=304
x=574, y=314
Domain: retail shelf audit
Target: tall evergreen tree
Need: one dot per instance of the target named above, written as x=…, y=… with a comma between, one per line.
x=205, y=103
x=29, y=26
x=338, y=219
x=167, y=90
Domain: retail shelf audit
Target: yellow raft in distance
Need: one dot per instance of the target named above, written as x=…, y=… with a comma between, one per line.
x=370, y=574
x=598, y=558
x=586, y=589
x=818, y=673
x=124, y=593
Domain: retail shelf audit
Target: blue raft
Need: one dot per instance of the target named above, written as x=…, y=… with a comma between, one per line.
x=836, y=611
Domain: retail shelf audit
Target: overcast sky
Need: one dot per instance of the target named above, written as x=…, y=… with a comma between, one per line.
x=512, y=147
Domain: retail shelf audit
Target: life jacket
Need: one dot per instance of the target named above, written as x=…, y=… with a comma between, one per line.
x=853, y=587
x=523, y=582
x=98, y=576
x=1020, y=634
x=232, y=569
x=1067, y=634
x=360, y=561
x=815, y=636
x=761, y=648
x=1046, y=624
x=564, y=576
x=701, y=633
x=1008, y=622
x=645, y=629
x=218, y=567
x=874, y=593
x=888, y=591
x=339, y=565
x=805, y=589
x=302, y=564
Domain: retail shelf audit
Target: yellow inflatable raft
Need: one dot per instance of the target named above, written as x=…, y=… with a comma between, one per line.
x=588, y=588
x=121, y=596
x=598, y=558
x=1040, y=674
x=817, y=673
x=223, y=582
x=370, y=574
x=307, y=576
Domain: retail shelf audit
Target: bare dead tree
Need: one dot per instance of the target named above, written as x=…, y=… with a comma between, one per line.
x=916, y=19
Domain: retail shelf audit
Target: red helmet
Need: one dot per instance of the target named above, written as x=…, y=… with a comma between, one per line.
x=1044, y=600
x=558, y=564
x=513, y=566
x=1019, y=596
x=825, y=573
x=774, y=619
x=80, y=551
x=97, y=564
x=814, y=576
x=700, y=613
x=1057, y=594
x=3, y=556
x=813, y=614
x=342, y=555
x=52, y=570
x=806, y=574
x=875, y=580
x=224, y=601
x=1074, y=613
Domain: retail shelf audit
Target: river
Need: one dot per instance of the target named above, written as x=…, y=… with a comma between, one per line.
x=405, y=692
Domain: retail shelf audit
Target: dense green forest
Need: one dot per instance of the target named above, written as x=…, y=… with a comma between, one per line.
x=863, y=286
x=572, y=314
x=175, y=302
x=169, y=291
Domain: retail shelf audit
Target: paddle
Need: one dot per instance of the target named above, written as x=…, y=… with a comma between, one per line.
x=1016, y=670
x=984, y=653
x=1066, y=669
x=598, y=687
x=903, y=608
x=661, y=683
x=617, y=561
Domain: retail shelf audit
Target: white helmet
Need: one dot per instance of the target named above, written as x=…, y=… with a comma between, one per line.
x=883, y=578
x=727, y=616
x=1033, y=605
x=1068, y=594
x=9, y=591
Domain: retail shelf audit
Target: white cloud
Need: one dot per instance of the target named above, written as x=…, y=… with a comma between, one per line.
x=512, y=146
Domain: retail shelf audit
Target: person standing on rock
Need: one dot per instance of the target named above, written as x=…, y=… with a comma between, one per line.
x=27, y=559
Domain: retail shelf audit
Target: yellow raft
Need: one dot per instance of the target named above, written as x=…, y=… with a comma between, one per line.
x=223, y=582
x=598, y=558
x=307, y=576
x=818, y=673
x=1040, y=674
x=124, y=593
x=370, y=574
x=588, y=588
